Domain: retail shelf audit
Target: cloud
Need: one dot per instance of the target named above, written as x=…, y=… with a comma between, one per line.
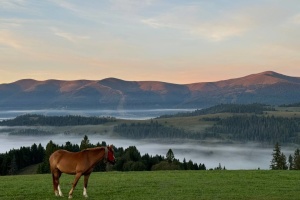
x=131, y=5
x=68, y=36
x=219, y=31
x=8, y=39
x=197, y=22
x=66, y=5
x=20, y=7
x=13, y=4
x=295, y=19
x=154, y=23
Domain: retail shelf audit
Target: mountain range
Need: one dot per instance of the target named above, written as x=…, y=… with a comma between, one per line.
x=111, y=93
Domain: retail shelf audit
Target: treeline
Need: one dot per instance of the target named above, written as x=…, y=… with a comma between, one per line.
x=291, y=105
x=128, y=159
x=257, y=128
x=41, y=120
x=153, y=129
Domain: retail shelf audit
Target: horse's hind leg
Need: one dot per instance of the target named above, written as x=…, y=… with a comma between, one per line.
x=55, y=185
x=55, y=176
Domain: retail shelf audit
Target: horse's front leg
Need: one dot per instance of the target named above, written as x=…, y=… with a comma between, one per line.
x=86, y=179
x=77, y=177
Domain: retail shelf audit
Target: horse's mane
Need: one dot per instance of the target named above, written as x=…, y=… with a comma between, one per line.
x=93, y=148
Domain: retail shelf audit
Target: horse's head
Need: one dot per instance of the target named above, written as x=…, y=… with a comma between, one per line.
x=110, y=155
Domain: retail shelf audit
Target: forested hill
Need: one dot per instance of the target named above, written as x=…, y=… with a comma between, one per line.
x=224, y=123
x=262, y=129
x=254, y=108
x=41, y=120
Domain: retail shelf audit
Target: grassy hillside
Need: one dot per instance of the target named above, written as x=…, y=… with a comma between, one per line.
x=32, y=169
x=161, y=185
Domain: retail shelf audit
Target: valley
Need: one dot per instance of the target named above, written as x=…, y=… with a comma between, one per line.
x=187, y=133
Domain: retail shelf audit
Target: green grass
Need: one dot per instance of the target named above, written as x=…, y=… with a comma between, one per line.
x=173, y=185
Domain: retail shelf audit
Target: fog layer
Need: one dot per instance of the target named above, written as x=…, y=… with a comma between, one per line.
x=121, y=114
x=232, y=156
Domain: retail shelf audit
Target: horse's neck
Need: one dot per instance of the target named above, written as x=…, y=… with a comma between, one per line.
x=97, y=154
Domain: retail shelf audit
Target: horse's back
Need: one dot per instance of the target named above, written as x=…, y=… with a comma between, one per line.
x=56, y=155
x=61, y=159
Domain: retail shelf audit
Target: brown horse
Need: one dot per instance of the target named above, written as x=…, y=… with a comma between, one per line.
x=78, y=164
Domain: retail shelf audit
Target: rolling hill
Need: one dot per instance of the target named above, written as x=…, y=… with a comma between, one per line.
x=111, y=93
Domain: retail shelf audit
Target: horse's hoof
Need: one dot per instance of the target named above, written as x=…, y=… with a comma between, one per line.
x=70, y=197
x=86, y=196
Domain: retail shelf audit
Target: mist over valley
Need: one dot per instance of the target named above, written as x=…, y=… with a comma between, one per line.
x=232, y=156
x=210, y=151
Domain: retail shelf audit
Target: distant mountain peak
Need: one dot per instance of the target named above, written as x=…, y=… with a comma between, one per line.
x=280, y=77
x=268, y=73
x=112, y=79
x=263, y=78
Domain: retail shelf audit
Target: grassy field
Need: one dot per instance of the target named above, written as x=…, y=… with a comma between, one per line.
x=186, y=185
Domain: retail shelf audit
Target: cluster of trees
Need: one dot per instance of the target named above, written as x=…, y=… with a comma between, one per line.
x=255, y=108
x=128, y=159
x=280, y=162
x=16, y=159
x=257, y=128
x=153, y=129
x=41, y=120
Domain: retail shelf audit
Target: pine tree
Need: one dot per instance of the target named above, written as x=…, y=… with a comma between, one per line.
x=279, y=160
x=282, y=162
x=297, y=159
x=170, y=156
x=85, y=143
x=13, y=166
x=291, y=162
x=184, y=164
x=276, y=154
x=50, y=148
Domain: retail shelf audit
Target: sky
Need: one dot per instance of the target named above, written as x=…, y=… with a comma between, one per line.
x=173, y=41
